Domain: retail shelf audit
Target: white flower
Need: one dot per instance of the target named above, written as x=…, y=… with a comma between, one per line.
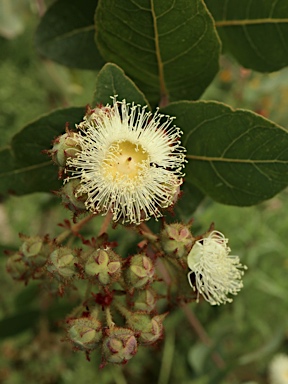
x=130, y=162
x=279, y=369
x=216, y=272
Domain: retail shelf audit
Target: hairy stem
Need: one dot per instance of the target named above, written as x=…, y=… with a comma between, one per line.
x=74, y=229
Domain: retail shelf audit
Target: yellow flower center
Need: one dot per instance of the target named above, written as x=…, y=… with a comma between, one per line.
x=125, y=159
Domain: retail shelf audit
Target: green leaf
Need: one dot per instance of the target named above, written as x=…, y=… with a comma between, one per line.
x=19, y=322
x=66, y=34
x=253, y=31
x=23, y=166
x=189, y=201
x=112, y=81
x=170, y=49
x=24, y=320
x=235, y=156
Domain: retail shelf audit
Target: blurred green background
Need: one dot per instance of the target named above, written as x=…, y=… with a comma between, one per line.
x=242, y=337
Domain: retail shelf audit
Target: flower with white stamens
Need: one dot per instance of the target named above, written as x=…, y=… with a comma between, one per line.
x=217, y=274
x=130, y=162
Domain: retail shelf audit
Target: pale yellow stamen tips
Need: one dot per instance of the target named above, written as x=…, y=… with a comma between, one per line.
x=125, y=159
x=130, y=162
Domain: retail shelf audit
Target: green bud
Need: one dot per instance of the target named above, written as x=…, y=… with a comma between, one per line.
x=119, y=346
x=85, y=332
x=140, y=272
x=104, y=265
x=35, y=252
x=176, y=240
x=17, y=268
x=150, y=329
x=145, y=300
x=65, y=146
x=71, y=199
x=62, y=263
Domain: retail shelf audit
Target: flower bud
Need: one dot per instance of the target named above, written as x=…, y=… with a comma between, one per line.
x=35, y=252
x=119, y=346
x=85, y=332
x=145, y=300
x=65, y=146
x=140, y=271
x=17, y=268
x=70, y=198
x=62, y=263
x=176, y=240
x=104, y=265
x=150, y=329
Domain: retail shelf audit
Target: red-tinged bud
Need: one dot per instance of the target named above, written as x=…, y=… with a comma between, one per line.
x=61, y=263
x=65, y=146
x=85, y=332
x=119, y=346
x=17, y=268
x=140, y=272
x=71, y=199
x=145, y=300
x=34, y=250
x=104, y=265
x=176, y=240
x=150, y=329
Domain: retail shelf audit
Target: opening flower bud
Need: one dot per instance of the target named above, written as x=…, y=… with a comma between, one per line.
x=17, y=268
x=71, y=199
x=85, y=332
x=151, y=329
x=35, y=252
x=104, y=265
x=62, y=263
x=65, y=146
x=145, y=300
x=119, y=346
x=176, y=240
x=140, y=272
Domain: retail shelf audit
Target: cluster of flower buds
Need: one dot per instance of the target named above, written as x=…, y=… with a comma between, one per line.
x=123, y=288
x=119, y=289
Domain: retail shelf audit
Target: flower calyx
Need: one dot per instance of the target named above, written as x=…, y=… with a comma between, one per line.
x=104, y=265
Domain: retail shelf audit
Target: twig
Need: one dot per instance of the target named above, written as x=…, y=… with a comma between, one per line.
x=73, y=229
x=203, y=336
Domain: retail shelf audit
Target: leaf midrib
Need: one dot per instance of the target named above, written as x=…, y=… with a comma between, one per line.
x=231, y=160
x=244, y=22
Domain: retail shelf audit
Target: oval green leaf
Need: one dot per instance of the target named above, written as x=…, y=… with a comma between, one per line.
x=66, y=34
x=253, y=31
x=112, y=81
x=170, y=49
x=23, y=166
x=235, y=156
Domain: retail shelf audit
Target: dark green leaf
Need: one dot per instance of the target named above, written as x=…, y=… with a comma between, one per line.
x=170, y=49
x=24, y=320
x=66, y=34
x=111, y=81
x=190, y=199
x=23, y=166
x=26, y=297
x=19, y=322
x=254, y=31
x=235, y=156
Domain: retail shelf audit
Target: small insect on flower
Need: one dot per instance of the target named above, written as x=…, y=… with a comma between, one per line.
x=130, y=162
x=217, y=273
